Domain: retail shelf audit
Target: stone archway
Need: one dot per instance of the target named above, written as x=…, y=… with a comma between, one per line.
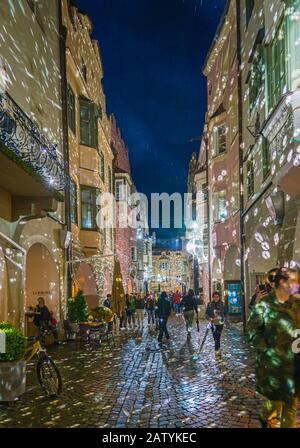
x=85, y=280
x=42, y=278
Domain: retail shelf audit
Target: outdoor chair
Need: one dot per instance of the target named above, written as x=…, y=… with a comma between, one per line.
x=83, y=335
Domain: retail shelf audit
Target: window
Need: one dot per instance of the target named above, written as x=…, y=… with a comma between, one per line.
x=164, y=265
x=102, y=167
x=266, y=157
x=119, y=185
x=256, y=81
x=103, y=234
x=220, y=139
x=221, y=208
x=276, y=69
x=293, y=32
x=133, y=254
x=110, y=188
x=83, y=70
x=89, y=208
x=88, y=124
x=194, y=211
x=250, y=178
x=71, y=109
x=249, y=10
x=73, y=202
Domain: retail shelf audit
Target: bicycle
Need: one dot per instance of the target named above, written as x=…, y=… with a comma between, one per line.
x=48, y=374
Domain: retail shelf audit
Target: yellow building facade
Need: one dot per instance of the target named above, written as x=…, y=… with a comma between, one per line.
x=90, y=159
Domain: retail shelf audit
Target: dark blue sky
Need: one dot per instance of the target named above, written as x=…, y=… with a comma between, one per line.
x=153, y=52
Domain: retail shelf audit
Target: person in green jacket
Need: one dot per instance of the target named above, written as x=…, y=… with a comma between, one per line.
x=272, y=330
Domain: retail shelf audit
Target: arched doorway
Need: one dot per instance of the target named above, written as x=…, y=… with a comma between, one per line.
x=42, y=278
x=85, y=280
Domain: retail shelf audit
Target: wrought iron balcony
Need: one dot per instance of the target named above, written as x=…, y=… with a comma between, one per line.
x=28, y=146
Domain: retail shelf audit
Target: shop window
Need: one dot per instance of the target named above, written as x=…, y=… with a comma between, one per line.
x=89, y=208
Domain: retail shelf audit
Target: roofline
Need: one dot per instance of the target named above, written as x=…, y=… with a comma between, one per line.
x=217, y=35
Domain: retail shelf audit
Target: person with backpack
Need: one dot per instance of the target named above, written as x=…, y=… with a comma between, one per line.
x=163, y=311
x=189, y=309
x=216, y=314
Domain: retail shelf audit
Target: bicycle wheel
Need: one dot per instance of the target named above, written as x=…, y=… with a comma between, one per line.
x=49, y=377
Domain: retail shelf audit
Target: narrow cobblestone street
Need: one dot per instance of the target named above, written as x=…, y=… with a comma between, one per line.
x=139, y=384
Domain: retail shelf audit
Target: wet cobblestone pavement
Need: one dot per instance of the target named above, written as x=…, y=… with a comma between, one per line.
x=140, y=384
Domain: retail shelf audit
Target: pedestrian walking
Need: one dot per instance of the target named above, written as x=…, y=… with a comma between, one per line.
x=177, y=300
x=131, y=307
x=272, y=329
x=189, y=308
x=216, y=314
x=163, y=311
x=140, y=309
x=150, y=308
x=156, y=315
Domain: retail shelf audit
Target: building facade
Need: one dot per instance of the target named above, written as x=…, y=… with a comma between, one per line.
x=222, y=139
x=126, y=235
x=252, y=145
x=171, y=271
x=270, y=34
x=90, y=158
x=32, y=228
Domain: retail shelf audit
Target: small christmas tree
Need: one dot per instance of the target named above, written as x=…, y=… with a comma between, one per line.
x=77, y=308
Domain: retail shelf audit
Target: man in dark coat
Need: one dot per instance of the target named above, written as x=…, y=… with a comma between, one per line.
x=163, y=311
x=216, y=314
x=43, y=319
x=272, y=330
x=189, y=308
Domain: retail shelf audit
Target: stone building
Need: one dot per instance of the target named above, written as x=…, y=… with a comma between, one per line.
x=171, y=271
x=90, y=158
x=222, y=139
x=252, y=126
x=126, y=236
x=270, y=35
x=32, y=181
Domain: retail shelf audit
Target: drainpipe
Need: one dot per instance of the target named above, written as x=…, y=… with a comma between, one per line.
x=63, y=71
x=241, y=157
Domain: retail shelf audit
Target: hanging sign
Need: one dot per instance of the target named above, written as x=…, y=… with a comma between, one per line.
x=2, y=341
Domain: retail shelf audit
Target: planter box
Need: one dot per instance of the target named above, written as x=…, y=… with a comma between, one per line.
x=12, y=380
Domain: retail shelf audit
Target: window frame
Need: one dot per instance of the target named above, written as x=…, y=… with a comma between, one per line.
x=93, y=205
x=91, y=122
x=217, y=137
x=73, y=202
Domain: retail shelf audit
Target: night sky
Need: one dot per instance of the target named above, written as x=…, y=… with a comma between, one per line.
x=153, y=52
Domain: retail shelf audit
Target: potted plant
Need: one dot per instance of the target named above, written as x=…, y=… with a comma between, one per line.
x=77, y=310
x=12, y=363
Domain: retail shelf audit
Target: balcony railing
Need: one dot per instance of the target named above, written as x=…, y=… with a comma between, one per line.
x=24, y=139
